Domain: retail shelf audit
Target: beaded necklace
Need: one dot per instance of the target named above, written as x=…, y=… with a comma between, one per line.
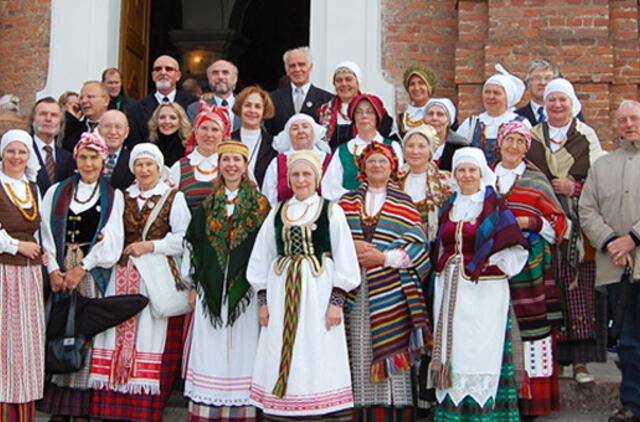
x=93, y=192
x=19, y=202
x=286, y=211
x=206, y=172
x=507, y=194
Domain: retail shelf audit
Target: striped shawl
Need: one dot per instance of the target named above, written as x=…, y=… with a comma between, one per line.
x=399, y=320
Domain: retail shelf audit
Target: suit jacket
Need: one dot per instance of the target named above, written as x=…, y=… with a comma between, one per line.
x=122, y=178
x=65, y=167
x=265, y=154
x=192, y=112
x=140, y=113
x=125, y=105
x=73, y=128
x=283, y=102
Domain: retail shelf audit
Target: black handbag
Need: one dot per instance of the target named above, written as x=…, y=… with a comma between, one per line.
x=65, y=354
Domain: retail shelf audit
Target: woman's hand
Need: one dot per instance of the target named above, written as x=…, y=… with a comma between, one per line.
x=73, y=277
x=371, y=257
x=362, y=246
x=56, y=279
x=45, y=259
x=192, y=298
x=562, y=186
x=263, y=315
x=523, y=222
x=139, y=248
x=29, y=249
x=334, y=316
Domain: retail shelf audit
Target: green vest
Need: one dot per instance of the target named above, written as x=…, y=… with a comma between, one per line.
x=349, y=170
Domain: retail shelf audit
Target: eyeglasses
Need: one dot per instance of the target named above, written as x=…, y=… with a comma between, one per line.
x=167, y=69
x=380, y=162
x=364, y=112
x=539, y=78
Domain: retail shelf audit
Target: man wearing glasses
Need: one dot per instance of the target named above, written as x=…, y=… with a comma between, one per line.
x=165, y=74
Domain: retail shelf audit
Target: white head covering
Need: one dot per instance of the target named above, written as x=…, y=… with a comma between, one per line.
x=352, y=66
x=513, y=86
x=473, y=155
x=445, y=103
x=146, y=150
x=282, y=142
x=19, y=135
x=564, y=86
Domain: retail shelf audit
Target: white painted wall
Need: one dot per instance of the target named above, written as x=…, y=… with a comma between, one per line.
x=349, y=30
x=84, y=41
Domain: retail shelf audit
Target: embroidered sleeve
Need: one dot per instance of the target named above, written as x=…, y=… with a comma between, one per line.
x=262, y=297
x=535, y=224
x=338, y=297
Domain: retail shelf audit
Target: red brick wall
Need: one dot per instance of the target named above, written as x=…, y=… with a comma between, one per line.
x=24, y=48
x=595, y=43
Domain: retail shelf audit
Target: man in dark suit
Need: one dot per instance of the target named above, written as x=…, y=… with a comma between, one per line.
x=112, y=80
x=114, y=128
x=94, y=100
x=223, y=77
x=165, y=74
x=299, y=96
x=539, y=74
x=56, y=164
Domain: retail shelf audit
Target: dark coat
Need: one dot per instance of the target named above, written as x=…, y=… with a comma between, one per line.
x=283, y=102
x=122, y=178
x=73, y=128
x=265, y=154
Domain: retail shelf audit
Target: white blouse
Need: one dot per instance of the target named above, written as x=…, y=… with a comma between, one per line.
x=491, y=124
x=207, y=164
x=558, y=134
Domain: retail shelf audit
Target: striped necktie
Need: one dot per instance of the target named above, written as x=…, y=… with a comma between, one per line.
x=49, y=164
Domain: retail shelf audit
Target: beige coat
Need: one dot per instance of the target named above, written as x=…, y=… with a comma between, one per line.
x=610, y=206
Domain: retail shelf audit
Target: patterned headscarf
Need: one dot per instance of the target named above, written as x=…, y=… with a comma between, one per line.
x=514, y=126
x=377, y=148
x=232, y=145
x=218, y=115
x=423, y=72
x=92, y=141
x=376, y=102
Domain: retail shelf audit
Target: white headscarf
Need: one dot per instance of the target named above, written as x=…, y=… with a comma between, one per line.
x=146, y=150
x=282, y=142
x=19, y=135
x=513, y=86
x=473, y=155
x=564, y=86
x=445, y=103
x=352, y=66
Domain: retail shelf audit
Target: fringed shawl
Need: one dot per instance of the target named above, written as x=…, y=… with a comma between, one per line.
x=399, y=320
x=219, y=251
x=62, y=198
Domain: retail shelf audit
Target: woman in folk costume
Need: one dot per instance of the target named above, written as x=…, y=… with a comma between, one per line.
x=21, y=286
x=420, y=82
x=500, y=94
x=367, y=112
x=387, y=317
x=441, y=114
x=534, y=294
x=225, y=324
x=300, y=132
x=83, y=239
x=303, y=263
x=428, y=186
x=564, y=148
x=135, y=364
x=194, y=173
x=479, y=247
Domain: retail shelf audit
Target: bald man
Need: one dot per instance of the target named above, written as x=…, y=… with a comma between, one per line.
x=114, y=128
x=94, y=101
x=165, y=74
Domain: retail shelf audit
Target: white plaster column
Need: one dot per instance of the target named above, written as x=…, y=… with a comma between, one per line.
x=84, y=40
x=349, y=30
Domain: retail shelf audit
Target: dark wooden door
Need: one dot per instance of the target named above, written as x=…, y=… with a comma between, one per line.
x=134, y=46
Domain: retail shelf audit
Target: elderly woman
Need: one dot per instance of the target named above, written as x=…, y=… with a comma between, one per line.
x=564, y=149
x=420, y=82
x=300, y=133
x=534, y=295
x=253, y=104
x=83, y=240
x=479, y=247
x=169, y=129
x=367, y=112
x=428, y=186
x=194, y=173
x=303, y=263
x=221, y=235
x=441, y=113
x=21, y=285
x=500, y=94
x=388, y=323
x=135, y=364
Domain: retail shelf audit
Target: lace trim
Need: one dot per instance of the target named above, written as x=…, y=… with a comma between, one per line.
x=480, y=387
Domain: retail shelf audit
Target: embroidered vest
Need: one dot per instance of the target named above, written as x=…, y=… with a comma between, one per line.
x=17, y=227
x=195, y=192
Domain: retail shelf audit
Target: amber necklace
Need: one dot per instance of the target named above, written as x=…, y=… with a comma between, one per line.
x=206, y=172
x=296, y=220
x=19, y=202
x=410, y=122
x=508, y=193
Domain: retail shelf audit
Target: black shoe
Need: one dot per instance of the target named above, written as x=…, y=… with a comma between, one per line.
x=624, y=415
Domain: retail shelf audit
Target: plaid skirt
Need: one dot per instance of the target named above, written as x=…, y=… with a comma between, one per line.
x=18, y=412
x=65, y=401
x=341, y=416
x=503, y=409
x=109, y=404
x=204, y=413
x=384, y=414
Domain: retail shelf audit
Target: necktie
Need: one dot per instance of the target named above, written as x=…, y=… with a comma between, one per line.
x=49, y=164
x=165, y=100
x=297, y=106
x=541, y=116
x=92, y=125
x=110, y=165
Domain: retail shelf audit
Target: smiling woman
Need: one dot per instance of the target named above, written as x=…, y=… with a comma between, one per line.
x=169, y=128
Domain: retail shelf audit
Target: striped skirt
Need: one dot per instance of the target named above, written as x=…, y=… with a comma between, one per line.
x=503, y=409
x=22, y=326
x=17, y=412
x=341, y=416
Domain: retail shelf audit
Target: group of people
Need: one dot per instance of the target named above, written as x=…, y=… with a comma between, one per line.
x=308, y=256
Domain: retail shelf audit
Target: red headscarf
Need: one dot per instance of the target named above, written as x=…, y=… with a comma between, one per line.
x=377, y=148
x=376, y=102
x=218, y=115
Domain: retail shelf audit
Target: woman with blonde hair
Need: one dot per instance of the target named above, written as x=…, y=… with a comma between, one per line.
x=169, y=129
